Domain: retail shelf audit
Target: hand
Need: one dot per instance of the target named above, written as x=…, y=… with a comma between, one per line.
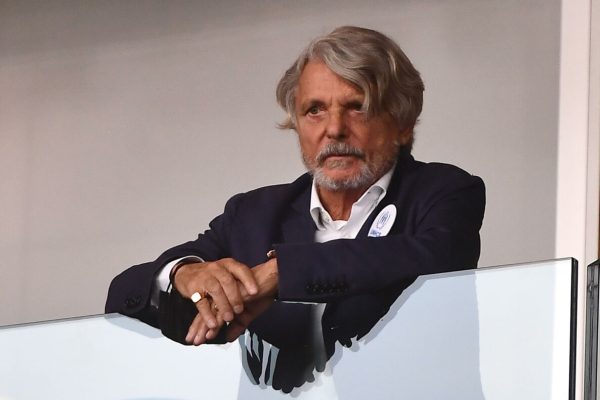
x=266, y=278
x=217, y=280
x=252, y=310
x=199, y=332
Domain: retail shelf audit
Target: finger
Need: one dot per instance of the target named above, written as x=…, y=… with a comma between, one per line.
x=243, y=274
x=239, y=325
x=204, y=310
x=243, y=291
x=203, y=333
x=217, y=293
x=231, y=289
x=194, y=328
x=234, y=330
x=212, y=333
x=206, y=333
x=200, y=337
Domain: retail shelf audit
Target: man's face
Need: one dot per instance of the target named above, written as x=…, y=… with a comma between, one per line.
x=340, y=146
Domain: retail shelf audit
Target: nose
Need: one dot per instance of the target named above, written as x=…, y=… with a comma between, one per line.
x=336, y=126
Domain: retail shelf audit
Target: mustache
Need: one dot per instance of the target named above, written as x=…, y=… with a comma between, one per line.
x=338, y=149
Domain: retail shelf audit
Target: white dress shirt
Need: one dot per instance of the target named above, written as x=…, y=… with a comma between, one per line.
x=328, y=229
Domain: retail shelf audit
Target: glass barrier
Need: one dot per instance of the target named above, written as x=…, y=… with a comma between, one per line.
x=493, y=333
x=591, y=332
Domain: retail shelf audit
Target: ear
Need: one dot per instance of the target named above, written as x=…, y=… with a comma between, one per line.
x=405, y=136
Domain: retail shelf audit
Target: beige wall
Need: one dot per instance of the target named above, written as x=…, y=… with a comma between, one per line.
x=125, y=126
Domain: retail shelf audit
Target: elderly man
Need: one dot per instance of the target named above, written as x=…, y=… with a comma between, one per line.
x=365, y=220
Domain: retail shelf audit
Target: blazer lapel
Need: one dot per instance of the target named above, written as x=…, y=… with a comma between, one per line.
x=405, y=163
x=297, y=225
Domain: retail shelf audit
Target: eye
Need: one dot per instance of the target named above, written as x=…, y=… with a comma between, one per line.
x=314, y=110
x=355, y=106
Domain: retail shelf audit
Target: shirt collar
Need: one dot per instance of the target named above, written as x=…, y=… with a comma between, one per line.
x=317, y=209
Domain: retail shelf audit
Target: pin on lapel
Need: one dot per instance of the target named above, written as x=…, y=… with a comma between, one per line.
x=383, y=222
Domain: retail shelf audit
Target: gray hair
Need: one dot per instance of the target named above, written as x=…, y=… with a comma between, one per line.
x=371, y=61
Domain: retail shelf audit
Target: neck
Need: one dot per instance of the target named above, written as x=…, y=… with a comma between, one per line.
x=339, y=203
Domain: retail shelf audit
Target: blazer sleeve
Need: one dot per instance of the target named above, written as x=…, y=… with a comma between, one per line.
x=443, y=213
x=129, y=292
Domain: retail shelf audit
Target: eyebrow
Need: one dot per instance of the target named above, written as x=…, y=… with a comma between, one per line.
x=354, y=102
x=305, y=105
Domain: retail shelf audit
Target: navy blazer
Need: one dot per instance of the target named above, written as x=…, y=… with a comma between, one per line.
x=439, y=213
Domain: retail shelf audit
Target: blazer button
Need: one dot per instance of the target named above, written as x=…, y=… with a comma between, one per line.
x=132, y=302
x=312, y=288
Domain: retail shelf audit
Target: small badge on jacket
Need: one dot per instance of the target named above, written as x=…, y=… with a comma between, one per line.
x=383, y=222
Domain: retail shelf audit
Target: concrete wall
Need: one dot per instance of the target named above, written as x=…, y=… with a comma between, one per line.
x=125, y=126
